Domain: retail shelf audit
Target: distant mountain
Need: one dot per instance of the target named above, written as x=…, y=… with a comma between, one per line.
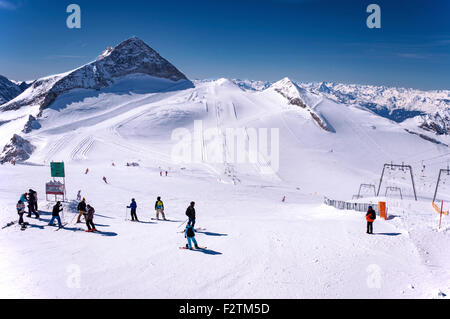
x=430, y=108
x=252, y=85
x=132, y=56
x=300, y=97
x=9, y=90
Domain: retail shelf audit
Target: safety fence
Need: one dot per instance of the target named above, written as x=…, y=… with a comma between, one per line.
x=360, y=207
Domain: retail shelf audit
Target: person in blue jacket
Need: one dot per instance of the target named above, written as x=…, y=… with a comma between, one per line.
x=189, y=233
x=24, y=198
x=133, y=207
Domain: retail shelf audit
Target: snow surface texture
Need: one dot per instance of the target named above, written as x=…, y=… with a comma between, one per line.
x=258, y=245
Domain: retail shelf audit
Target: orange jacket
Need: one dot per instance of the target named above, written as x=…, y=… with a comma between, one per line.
x=371, y=215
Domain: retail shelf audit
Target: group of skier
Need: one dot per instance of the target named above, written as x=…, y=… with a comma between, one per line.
x=189, y=232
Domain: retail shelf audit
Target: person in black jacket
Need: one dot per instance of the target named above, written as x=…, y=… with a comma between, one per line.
x=81, y=210
x=90, y=219
x=133, y=207
x=190, y=212
x=32, y=203
x=370, y=217
x=55, y=215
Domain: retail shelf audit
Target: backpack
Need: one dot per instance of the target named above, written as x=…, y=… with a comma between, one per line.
x=190, y=232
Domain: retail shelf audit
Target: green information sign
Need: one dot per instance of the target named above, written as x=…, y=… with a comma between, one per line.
x=57, y=169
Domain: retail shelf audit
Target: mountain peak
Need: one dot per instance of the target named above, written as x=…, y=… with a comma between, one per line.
x=132, y=56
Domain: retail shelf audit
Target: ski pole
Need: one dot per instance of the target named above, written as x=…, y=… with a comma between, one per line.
x=183, y=223
x=126, y=213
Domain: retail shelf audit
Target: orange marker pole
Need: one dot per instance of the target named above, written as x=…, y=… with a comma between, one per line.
x=440, y=218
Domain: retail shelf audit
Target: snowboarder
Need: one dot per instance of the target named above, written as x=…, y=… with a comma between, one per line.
x=32, y=203
x=79, y=196
x=370, y=217
x=20, y=210
x=159, y=207
x=189, y=233
x=82, y=210
x=133, y=207
x=104, y=179
x=190, y=213
x=90, y=219
x=55, y=215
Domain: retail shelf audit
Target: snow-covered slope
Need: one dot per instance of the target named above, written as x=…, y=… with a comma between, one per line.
x=258, y=245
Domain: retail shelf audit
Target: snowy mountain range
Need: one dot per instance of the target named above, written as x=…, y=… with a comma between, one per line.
x=430, y=109
x=134, y=67
x=132, y=56
x=10, y=89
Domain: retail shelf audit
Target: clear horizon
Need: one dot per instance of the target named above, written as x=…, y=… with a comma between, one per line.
x=267, y=40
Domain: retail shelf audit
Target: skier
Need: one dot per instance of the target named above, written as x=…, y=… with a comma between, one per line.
x=133, y=207
x=35, y=199
x=159, y=207
x=189, y=233
x=24, y=198
x=55, y=215
x=284, y=199
x=20, y=210
x=87, y=171
x=82, y=210
x=79, y=196
x=190, y=213
x=370, y=217
x=32, y=203
x=90, y=219
x=104, y=179
x=166, y=173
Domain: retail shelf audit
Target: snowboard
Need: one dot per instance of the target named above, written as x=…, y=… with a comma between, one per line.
x=9, y=224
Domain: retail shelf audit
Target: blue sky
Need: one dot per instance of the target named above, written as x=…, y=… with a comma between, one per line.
x=306, y=40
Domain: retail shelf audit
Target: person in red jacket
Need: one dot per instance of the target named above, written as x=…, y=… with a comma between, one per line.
x=370, y=217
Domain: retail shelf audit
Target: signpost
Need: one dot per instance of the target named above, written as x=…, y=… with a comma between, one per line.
x=56, y=187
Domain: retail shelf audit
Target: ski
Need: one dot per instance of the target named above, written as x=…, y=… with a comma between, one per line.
x=9, y=224
x=163, y=220
x=24, y=226
x=62, y=226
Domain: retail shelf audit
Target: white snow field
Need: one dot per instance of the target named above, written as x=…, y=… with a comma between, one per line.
x=257, y=245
